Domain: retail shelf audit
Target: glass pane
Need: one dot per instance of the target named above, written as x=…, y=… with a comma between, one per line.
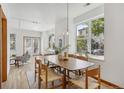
x=36, y=45
x=82, y=33
x=32, y=45
x=97, y=40
x=28, y=46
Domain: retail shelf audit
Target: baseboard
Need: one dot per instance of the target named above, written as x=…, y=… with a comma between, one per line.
x=109, y=83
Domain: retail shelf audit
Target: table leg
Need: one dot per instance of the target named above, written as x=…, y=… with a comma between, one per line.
x=48, y=63
x=68, y=74
x=64, y=72
x=15, y=62
x=18, y=63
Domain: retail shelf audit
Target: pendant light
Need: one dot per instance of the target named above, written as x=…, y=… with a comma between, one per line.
x=67, y=20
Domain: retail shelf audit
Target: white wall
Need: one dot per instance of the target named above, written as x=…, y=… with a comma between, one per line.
x=90, y=14
x=113, y=66
x=19, y=39
x=72, y=36
x=45, y=39
x=60, y=31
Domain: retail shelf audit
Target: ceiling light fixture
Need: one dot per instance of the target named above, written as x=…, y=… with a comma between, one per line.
x=26, y=20
x=87, y=4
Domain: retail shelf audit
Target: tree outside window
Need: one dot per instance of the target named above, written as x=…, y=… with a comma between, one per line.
x=90, y=37
x=97, y=41
x=82, y=32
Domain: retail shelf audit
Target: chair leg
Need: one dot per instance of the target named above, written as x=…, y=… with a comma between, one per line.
x=15, y=62
x=35, y=77
x=70, y=84
x=18, y=64
x=62, y=82
x=45, y=85
x=68, y=74
x=59, y=69
x=79, y=72
x=98, y=87
x=52, y=84
x=39, y=83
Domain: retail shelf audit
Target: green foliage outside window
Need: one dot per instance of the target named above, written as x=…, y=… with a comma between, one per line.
x=98, y=26
x=81, y=43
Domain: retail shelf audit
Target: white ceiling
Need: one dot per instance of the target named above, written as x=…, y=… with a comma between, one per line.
x=42, y=17
x=76, y=9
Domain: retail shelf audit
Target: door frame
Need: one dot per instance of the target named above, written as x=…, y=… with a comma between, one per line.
x=3, y=43
x=30, y=37
x=0, y=48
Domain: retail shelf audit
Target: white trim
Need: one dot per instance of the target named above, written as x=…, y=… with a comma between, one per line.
x=0, y=50
x=90, y=19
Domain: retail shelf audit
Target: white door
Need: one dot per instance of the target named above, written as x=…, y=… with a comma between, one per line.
x=32, y=45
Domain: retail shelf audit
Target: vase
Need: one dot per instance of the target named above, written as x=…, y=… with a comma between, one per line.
x=65, y=58
x=65, y=55
x=59, y=56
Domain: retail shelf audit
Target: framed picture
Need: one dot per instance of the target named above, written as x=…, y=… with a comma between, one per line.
x=12, y=41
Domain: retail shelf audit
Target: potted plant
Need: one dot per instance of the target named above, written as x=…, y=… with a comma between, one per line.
x=59, y=50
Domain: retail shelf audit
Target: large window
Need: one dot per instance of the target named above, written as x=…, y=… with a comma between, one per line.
x=90, y=38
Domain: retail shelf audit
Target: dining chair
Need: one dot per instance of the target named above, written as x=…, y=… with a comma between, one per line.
x=81, y=58
x=51, y=65
x=54, y=67
x=88, y=81
x=71, y=55
x=36, y=67
x=47, y=75
x=78, y=57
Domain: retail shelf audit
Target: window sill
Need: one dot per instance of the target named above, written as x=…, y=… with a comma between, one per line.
x=96, y=58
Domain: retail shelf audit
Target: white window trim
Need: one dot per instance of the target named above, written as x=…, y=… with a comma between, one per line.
x=87, y=20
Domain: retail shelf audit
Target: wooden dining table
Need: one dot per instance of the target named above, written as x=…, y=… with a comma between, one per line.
x=70, y=64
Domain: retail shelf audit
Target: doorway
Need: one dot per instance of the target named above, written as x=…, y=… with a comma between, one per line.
x=31, y=45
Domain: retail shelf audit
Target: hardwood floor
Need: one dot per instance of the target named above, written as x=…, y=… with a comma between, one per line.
x=23, y=78
x=17, y=78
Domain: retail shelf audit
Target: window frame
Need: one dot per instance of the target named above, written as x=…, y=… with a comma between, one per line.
x=89, y=21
